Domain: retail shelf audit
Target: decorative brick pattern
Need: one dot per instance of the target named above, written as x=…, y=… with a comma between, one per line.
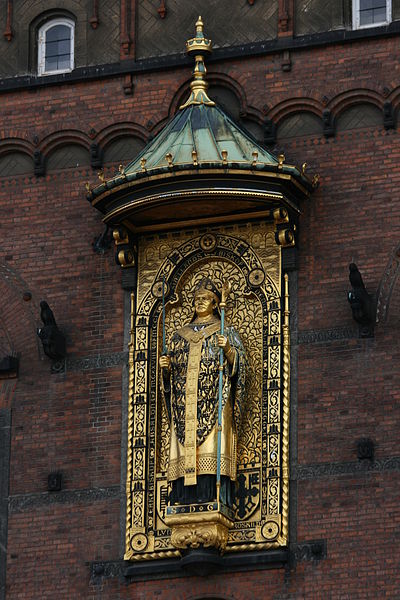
x=166, y=36
x=314, y=16
x=345, y=388
x=299, y=125
x=363, y=115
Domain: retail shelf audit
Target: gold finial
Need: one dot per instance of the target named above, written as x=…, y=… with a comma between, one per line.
x=224, y=157
x=87, y=187
x=143, y=164
x=303, y=168
x=198, y=46
x=255, y=157
x=121, y=169
x=169, y=159
x=194, y=158
x=101, y=176
x=281, y=160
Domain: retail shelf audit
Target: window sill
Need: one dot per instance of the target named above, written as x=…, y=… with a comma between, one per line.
x=58, y=72
x=371, y=25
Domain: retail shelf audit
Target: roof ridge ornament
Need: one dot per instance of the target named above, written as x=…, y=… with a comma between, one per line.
x=198, y=47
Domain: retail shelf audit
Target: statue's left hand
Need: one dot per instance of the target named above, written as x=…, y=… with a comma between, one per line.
x=223, y=343
x=229, y=352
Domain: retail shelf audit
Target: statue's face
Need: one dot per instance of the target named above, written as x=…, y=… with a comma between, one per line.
x=204, y=303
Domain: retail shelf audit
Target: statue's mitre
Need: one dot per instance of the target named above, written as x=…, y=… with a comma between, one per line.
x=209, y=285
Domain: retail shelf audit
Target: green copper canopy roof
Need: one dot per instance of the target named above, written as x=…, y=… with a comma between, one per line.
x=201, y=148
x=203, y=134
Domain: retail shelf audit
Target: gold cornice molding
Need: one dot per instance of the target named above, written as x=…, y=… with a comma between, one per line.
x=261, y=177
x=156, y=199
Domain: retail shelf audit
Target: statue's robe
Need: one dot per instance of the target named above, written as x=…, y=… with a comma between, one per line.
x=191, y=395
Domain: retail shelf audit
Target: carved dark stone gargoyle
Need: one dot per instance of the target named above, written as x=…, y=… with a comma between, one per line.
x=52, y=338
x=103, y=242
x=362, y=303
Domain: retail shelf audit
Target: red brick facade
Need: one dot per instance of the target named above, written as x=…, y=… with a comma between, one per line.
x=347, y=388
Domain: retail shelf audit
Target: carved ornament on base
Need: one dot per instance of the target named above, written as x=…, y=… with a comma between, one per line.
x=208, y=529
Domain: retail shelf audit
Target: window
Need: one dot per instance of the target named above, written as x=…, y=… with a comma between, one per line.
x=370, y=13
x=56, y=47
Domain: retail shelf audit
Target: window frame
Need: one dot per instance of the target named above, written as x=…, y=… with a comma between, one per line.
x=356, y=16
x=42, y=32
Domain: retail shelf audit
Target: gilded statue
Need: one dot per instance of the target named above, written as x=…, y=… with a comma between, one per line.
x=192, y=393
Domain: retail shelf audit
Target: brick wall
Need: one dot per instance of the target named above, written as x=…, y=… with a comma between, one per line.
x=347, y=388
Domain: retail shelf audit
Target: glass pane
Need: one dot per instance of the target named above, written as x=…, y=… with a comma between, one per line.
x=64, y=62
x=51, y=63
x=366, y=4
x=64, y=46
x=58, y=32
x=374, y=15
x=52, y=49
x=380, y=15
x=58, y=48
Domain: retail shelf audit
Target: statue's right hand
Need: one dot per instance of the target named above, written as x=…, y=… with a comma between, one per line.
x=165, y=362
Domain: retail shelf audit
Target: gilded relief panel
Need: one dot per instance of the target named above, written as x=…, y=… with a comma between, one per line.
x=170, y=267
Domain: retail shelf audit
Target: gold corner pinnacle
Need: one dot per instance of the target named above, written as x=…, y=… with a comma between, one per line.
x=198, y=46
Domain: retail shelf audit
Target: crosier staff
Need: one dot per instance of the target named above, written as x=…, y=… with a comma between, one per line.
x=164, y=344
x=226, y=288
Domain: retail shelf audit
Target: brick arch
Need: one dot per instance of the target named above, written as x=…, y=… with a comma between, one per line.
x=11, y=144
x=300, y=123
x=32, y=8
x=228, y=95
x=350, y=98
x=294, y=105
x=222, y=81
x=359, y=115
x=117, y=130
x=66, y=149
x=30, y=14
x=68, y=156
x=58, y=139
x=123, y=149
x=49, y=14
x=16, y=157
x=34, y=15
x=15, y=163
x=121, y=142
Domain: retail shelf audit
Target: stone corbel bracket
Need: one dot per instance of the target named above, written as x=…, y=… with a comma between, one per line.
x=126, y=256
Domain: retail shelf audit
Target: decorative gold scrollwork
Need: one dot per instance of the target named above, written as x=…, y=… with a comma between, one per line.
x=254, y=309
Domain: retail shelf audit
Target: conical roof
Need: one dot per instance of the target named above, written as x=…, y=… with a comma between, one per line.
x=202, y=134
x=200, y=147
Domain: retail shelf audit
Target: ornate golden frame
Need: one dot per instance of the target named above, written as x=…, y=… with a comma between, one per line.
x=252, y=257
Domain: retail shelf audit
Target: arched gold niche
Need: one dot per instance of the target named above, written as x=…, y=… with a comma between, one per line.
x=249, y=257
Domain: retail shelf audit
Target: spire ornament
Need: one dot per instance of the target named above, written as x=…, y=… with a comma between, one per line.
x=198, y=47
